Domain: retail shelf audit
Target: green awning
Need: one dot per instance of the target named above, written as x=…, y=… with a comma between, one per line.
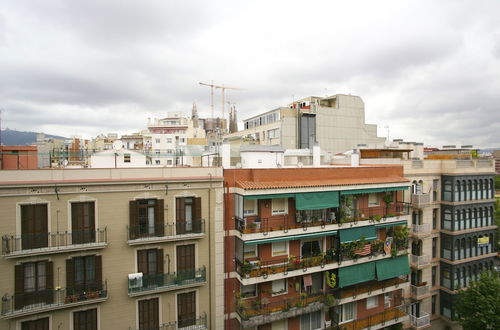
x=372, y=190
x=269, y=196
x=317, y=200
x=385, y=225
x=354, y=234
x=392, y=267
x=356, y=274
x=290, y=238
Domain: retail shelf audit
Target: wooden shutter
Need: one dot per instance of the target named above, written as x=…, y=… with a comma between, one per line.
x=76, y=223
x=159, y=261
x=159, y=218
x=180, y=216
x=91, y=225
x=197, y=215
x=98, y=271
x=27, y=226
x=19, y=286
x=186, y=309
x=133, y=220
x=185, y=257
x=49, y=281
x=70, y=275
x=41, y=225
x=142, y=261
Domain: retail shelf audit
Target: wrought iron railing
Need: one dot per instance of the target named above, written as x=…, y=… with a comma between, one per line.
x=166, y=281
x=389, y=314
x=367, y=287
x=53, y=241
x=197, y=323
x=166, y=229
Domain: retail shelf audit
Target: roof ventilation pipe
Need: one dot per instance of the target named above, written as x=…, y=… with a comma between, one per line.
x=355, y=159
x=316, y=155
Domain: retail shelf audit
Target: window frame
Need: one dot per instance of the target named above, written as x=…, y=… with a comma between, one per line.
x=372, y=302
x=372, y=203
x=280, y=292
x=279, y=212
x=279, y=252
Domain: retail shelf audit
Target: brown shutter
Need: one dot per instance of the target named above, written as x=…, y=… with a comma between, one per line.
x=70, y=275
x=134, y=221
x=159, y=261
x=197, y=215
x=91, y=227
x=159, y=218
x=19, y=278
x=98, y=270
x=142, y=261
x=180, y=216
x=49, y=281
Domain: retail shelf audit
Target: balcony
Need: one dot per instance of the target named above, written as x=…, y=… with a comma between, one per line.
x=385, y=319
x=420, y=200
x=149, y=284
x=420, y=291
x=180, y=230
x=28, y=303
x=54, y=242
x=256, y=312
x=420, y=261
x=420, y=322
x=421, y=230
x=198, y=323
x=367, y=289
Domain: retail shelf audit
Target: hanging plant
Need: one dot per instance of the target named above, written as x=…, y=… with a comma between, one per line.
x=331, y=279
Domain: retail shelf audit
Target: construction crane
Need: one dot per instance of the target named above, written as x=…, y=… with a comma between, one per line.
x=223, y=89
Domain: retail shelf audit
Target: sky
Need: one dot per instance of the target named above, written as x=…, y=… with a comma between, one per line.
x=427, y=71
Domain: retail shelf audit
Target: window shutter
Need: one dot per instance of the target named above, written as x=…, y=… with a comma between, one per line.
x=159, y=261
x=19, y=278
x=159, y=218
x=197, y=215
x=98, y=271
x=180, y=216
x=92, y=228
x=49, y=281
x=134, y=221
x=70, y=275
x=142, y=261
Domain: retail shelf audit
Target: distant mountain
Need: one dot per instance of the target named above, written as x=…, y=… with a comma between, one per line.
x=19, y=138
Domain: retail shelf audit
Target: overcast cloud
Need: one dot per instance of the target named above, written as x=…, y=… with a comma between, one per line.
x=430, y=70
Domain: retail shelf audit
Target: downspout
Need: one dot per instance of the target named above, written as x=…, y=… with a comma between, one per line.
x=210, y=252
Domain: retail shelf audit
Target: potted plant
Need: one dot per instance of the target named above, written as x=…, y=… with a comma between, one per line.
x=388, y=201
x=331, y=279
x=329, y=300
x=246, y=268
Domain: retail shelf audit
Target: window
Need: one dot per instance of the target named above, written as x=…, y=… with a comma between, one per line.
x=85, y=320
x=169, y=162
x=34, y=226
x=33, y=283
x=157, y=140
x=250, y=251
x=279, y=325
x=182, y=140
x=433, y=308
x=40, y=324
x=447, y=191
x=434, y=218
x=371, y=302
x=146, y=218
x=169, y=140
x=434, y=272
x=82, y=222
x=150, y=261
x=373, y=200
x=347, y=312
x=157, y=152
x=311, y=321
x=248, y=291
x=279, y=205
x=84, y=274
x=186, y=309
x=126, y=158
x=188, y=215
x=157, y=162
x=311, y=248
x=279, y=287
x=250, y=207
x=279, y=248
x=149, y=314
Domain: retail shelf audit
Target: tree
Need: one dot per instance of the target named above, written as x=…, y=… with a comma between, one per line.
x=478, y=307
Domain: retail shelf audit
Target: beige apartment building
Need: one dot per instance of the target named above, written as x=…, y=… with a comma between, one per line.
x=336, y=122
x=111, y=249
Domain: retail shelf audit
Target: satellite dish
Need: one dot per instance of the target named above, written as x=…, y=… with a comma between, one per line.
x=117, y=145
x=300, y=164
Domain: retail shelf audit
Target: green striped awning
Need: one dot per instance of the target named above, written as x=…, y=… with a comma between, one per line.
x=268, y=196
x=391, y=224
x=317, y=200
x=356, y=274
x=354, y=234
x=372, y=190
x=392, y=267
x=290, y=238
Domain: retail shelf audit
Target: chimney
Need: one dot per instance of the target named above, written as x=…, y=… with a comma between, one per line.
x=316, y=155
x=226, y=154
x=355, y=159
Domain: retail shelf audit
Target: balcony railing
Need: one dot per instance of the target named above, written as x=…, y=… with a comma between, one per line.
x=373, y=214
x=388, y=315
x=257, y=307
x=367, y=287
x=420, y=260
x=165, y=230
x=423, y=229
x=421, y=321
x=419, y=290
x=419, y=200
x=53, y=242
x=51, y=299
x=163, y=282
x=184, y=324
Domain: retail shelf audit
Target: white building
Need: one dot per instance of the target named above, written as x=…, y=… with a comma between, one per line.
x=117, y=159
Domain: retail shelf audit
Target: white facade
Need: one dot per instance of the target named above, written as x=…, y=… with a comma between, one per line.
x=117, y=159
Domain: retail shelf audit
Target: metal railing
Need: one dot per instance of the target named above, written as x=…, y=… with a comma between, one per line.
x=421, y=290
x=166, y=281
x=420, y=260
x=52, y=298
x=52, y=241
x=420, y=321
x=184, y=324
x=166, y=229
x=422, y=229
x=367, y=287
x=419, y=200
x=387, y=315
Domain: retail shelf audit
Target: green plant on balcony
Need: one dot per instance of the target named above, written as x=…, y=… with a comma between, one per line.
x=303, y=295
x=329, y=300
x=388, y=199
x=376, y=218
x=331, y=279
x=246, y=268
x=256, y=304
x=378, y=246
x=347, y=204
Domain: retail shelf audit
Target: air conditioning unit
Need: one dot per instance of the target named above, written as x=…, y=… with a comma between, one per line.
x=135, y=280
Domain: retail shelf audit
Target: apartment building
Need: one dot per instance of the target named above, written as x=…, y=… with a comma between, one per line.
x=452, y=227
x=111, y=249
x=336, y=122
x=316, y=248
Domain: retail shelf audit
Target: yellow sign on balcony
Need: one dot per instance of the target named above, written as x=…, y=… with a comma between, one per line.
x=482, y=241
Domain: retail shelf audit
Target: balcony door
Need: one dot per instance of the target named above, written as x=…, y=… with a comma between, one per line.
x=84, y=274
x=146, y=218
x=188, y=215
x=83, y=222
x=186, y=261
x=149, y=314
x=34, y=226
x=34, y=283
x=186, y=309
x=150, y=261
x=85, y=320
x=40, y=324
